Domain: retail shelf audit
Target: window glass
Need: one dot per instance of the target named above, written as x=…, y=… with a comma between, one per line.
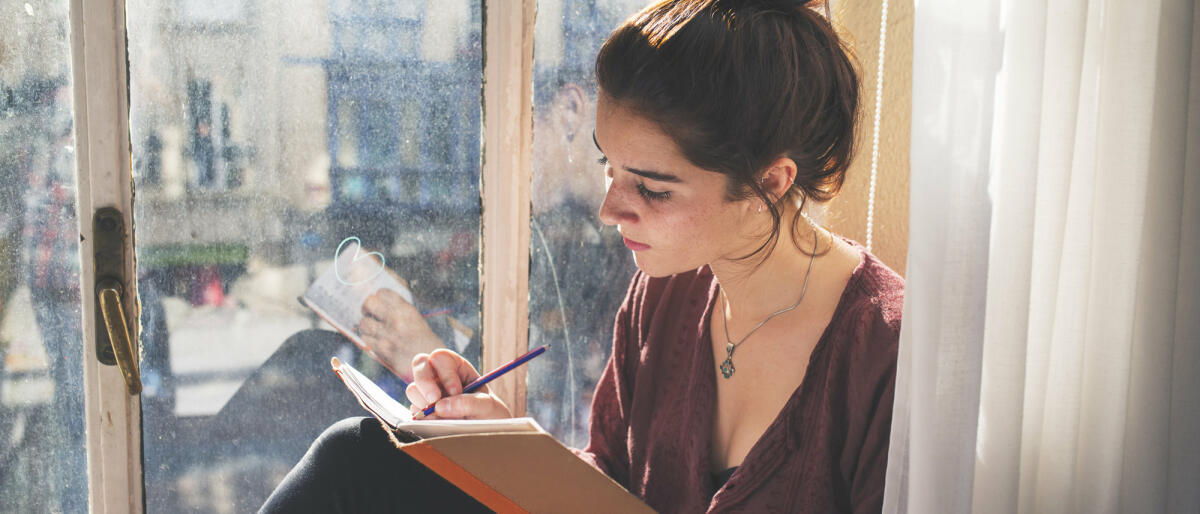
x=267, y=136
x=579, y=269
x=43, y=466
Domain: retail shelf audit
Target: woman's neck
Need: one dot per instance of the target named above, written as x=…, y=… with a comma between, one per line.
x=756, y=287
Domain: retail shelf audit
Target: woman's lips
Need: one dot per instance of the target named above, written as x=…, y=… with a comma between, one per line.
x=634, y=245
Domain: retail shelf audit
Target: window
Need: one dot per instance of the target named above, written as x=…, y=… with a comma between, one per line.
x=42, y=453
x=261, y=137
x=258, y=116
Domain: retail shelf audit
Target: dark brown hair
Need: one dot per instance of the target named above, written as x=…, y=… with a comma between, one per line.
x=738, y=84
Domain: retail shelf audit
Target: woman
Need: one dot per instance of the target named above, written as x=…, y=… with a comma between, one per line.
x=754, y=355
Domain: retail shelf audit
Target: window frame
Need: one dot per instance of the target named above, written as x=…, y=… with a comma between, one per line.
x=104, y=178
x=100, y=92
x=507, y=123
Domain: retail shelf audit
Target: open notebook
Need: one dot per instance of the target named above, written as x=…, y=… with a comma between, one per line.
x=508, y=465
x=397, y=417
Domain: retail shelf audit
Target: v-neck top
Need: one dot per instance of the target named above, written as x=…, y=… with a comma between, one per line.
x=720, y=477
x=826, y=450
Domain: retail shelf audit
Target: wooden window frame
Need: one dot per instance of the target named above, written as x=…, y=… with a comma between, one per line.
x=507, y=154
x=104, y=178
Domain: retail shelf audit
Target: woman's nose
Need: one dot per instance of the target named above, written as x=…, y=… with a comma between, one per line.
x=615, y=209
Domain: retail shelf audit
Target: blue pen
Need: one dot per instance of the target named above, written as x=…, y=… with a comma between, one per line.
x=482, y=381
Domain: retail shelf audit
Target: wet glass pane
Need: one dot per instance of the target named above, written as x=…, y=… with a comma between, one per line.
x=43, y=466
x=268, y=139
x=580, y=269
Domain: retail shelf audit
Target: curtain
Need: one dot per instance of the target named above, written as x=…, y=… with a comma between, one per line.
x=1050, y=349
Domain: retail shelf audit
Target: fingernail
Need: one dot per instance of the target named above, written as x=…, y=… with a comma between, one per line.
x=431, y=397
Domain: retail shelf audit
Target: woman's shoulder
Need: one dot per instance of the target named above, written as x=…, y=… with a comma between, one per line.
x=873, y=301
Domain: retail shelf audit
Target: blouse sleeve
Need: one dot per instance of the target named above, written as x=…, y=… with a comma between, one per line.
x=874, y=391
x=608, y=447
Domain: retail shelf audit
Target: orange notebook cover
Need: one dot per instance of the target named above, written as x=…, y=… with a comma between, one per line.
x=509, y=465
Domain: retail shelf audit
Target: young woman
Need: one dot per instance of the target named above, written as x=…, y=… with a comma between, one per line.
x=754, y=355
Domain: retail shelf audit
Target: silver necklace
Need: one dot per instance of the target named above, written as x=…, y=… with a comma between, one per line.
x=727, y=368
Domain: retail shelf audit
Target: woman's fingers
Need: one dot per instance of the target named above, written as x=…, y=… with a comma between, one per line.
x=440, y=376
x=466, y=406
x=441, y=373
x=471, y=406
x=425, y=379
x=452, y=370
x=416, y=397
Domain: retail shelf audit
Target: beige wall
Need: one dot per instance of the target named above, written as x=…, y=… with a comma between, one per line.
x=847, y=213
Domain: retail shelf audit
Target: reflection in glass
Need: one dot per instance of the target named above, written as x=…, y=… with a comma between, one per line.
x=280, y=129
x=43, y=460
x=579, y=269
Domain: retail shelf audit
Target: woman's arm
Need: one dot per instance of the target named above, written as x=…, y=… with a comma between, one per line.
x=872, y=393
x=866, y=493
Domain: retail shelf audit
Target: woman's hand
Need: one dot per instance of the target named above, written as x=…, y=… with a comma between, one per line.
x=394, y=329
x=439, y=377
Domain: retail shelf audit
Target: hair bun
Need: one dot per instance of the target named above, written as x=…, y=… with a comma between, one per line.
x=820, y=6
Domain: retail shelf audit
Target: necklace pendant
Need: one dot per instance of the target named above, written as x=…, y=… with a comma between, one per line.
x=727, y=368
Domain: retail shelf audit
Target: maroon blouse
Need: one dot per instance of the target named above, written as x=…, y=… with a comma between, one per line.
x=826, y=451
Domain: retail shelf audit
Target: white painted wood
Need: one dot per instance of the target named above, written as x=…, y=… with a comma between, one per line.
x=104, y=179
x=507, y=149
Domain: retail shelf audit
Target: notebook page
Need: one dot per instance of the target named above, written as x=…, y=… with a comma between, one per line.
x=397, y=416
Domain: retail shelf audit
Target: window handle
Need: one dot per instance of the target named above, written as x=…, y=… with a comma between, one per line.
x=118, y=334
x=114, y=343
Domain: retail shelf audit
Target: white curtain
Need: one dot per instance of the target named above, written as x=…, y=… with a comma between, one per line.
x=1050, y=349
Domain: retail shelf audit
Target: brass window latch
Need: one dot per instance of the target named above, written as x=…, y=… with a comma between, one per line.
x=114, y=343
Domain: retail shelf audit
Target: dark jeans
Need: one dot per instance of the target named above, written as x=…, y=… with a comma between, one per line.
x=354, y=468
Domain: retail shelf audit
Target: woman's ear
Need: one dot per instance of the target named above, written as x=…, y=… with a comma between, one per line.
x=778, y=177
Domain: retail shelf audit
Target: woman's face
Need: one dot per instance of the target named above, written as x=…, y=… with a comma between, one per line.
x=672, y=214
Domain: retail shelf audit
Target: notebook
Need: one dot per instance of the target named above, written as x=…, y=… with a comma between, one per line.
x=508, y=465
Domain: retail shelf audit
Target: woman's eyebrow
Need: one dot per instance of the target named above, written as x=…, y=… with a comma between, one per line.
x=652, y=175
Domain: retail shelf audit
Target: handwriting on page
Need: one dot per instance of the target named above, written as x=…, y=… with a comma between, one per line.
x=359, y=267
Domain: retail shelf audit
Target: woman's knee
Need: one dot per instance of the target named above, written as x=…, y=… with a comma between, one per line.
x=341, y=439
x=357, y=439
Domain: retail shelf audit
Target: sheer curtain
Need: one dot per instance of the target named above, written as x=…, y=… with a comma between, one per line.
x=1050, y=351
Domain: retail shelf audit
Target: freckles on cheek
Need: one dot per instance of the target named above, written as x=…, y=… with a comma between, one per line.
x=693, y=228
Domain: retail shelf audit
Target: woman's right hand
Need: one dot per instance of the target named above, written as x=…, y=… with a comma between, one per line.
x=439, y=376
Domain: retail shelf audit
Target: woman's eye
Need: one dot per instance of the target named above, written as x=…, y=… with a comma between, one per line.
x=603, y=161
x=652, y=195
